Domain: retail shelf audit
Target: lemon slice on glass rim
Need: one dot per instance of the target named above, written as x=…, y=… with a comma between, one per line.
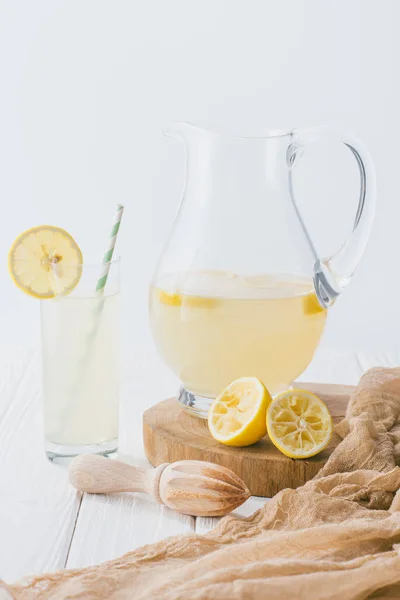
x=237, y=417
x=45, y=261
x=299, y=423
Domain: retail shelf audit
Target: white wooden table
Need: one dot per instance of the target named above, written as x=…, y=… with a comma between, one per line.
x=45, y=524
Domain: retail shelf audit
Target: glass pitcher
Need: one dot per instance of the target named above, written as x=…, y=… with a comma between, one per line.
x=239, y=289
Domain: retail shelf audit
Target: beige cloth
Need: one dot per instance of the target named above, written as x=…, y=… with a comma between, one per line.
x=338, y=536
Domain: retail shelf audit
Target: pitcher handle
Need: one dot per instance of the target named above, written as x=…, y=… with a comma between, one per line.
x=332, y=274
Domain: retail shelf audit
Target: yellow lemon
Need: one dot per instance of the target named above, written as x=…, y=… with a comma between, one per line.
x=45, y=261
x=169, y=299
x=173, y=299
x=238, y=416
x=299, y=423
x=312, y=305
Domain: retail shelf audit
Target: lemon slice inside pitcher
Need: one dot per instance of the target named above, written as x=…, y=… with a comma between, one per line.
x=299, y=424
x=45, y=261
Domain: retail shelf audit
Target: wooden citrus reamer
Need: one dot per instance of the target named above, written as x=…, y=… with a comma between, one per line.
x=192, y=487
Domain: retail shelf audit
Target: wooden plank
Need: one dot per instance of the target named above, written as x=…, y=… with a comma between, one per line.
x=38, y=509
x=110, y=525
x=205, y=524
x=336, y=365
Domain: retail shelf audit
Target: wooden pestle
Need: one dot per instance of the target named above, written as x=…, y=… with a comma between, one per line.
x=192, y=487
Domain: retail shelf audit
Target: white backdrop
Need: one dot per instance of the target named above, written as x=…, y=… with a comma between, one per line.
x=87, y=86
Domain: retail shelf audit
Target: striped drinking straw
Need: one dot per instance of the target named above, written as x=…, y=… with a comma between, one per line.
x=108, y=254
x=87, y=347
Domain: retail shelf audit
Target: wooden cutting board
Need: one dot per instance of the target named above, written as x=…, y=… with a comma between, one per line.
x=170, y=433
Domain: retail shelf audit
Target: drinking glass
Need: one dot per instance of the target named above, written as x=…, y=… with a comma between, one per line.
x=80, y=355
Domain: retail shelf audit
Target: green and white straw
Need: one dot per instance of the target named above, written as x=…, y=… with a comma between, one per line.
x=87, y=346
x=108, y=254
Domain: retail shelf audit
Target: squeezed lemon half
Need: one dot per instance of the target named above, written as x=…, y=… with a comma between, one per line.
x=299, y=424
x=237, y=417
x=45, y=261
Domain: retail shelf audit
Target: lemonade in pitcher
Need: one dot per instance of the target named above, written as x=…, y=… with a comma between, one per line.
x=212, y=327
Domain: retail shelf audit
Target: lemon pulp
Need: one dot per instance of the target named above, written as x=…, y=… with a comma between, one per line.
x=299, y=423
x=237, y=417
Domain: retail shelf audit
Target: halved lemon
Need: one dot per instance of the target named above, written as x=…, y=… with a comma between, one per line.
x=299, y=424
x=45, y=261
x=238, y=416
